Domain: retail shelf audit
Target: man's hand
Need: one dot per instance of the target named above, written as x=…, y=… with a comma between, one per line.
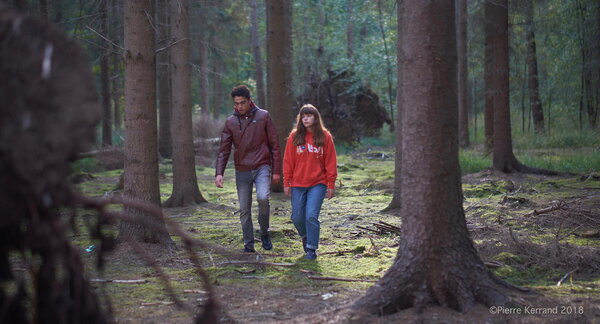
x=330, y=193
x=219, y=181
x=287, y=191
x=276, y=178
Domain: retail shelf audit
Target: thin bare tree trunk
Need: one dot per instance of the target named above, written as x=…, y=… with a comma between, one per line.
x=534, y=86
x=504, y=160
x=388, y=64
x=141, y=151
x=204, y=53
x=44, y=9
x=279, y=61
x=217, y=86
x=496, y=14
x=350, y=31
x=395, y=204
x=185, y=183
x=165, y=142
x=463, y=75
x=488, y=122
x=437, y=264
x=204, y=72
x=104, y=76
x=258, y=62
x=117, y=68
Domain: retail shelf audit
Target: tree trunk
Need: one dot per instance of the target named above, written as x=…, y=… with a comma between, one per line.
x=104, y=76
x=279, y=61
x=488, y=75
x=165, y=142
x=217, y=86
x=463, y=76
x=141, y=153
x=117, y=68
x=44, y=9
x=588, y=66
x=395, y=204
x=437, y=263
x=185, y=183
x=593, y=81
x=504, y=159
x=496, y=17
x=534, y=87
x=203, y=49
x=350, y=31
x=388, y=64
x=258, y=62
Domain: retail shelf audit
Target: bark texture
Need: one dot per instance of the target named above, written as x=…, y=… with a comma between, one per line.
x=256, y=51
x=537, y=112
x=504, y=159
x=185, y=183
x=141, y=152
x=488, y=75
x=203, y=50
x=462, y=73
x=104, y=77
x=279, y=61
x=217, y=85
x=395, y=204
x=436, y=262
x=163, y=82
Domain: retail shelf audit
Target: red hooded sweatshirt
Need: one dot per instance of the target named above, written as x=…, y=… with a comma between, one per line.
x=307, y=165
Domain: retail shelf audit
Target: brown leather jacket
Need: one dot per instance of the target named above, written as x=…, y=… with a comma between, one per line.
x=254, y=139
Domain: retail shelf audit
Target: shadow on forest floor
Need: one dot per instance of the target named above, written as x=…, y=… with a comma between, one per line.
x=533, y=231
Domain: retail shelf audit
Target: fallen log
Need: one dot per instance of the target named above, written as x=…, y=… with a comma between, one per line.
x=133, y=281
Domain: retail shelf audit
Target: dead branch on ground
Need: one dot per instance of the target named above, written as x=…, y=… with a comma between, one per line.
x=340, y=279
x=274, y=264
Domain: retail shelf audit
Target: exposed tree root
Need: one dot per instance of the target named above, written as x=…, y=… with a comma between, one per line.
x=184, y=199
x=513, y=165
x=408, y=287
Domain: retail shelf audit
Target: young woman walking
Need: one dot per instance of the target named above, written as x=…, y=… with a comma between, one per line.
x=309, y=173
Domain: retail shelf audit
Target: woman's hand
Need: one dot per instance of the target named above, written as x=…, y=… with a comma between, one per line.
x=287, y=191
x=330, y=193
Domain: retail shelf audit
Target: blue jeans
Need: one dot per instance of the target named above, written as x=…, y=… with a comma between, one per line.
x=306, y=207
x=244, y=181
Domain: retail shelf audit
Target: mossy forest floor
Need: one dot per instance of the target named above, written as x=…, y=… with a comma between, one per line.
x=534, y=250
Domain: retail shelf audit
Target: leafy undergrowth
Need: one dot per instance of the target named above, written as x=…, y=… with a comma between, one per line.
x=531, y=250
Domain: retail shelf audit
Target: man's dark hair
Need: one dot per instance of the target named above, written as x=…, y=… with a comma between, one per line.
x=240, y=91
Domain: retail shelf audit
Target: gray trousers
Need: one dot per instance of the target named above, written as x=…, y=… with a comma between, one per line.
x=244, y=181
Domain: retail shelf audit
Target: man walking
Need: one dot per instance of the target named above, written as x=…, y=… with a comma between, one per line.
x=257, y=155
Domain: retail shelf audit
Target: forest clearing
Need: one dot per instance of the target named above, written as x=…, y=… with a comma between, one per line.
x=538, y=232
x=458, y=141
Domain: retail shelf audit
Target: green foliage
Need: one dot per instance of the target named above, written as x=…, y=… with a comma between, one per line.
x=565, y=138
x=508, y=258
x=578, y=162
x=472, y=161
x=533, y=275
x=320, y=42
x=85, y=165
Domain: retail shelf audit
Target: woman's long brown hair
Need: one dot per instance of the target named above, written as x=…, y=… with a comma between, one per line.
x=319, y=130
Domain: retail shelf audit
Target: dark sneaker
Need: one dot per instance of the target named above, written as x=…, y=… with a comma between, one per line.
x=304, y=244
x=249, y=249
x=311, y=254
x=266, y=242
